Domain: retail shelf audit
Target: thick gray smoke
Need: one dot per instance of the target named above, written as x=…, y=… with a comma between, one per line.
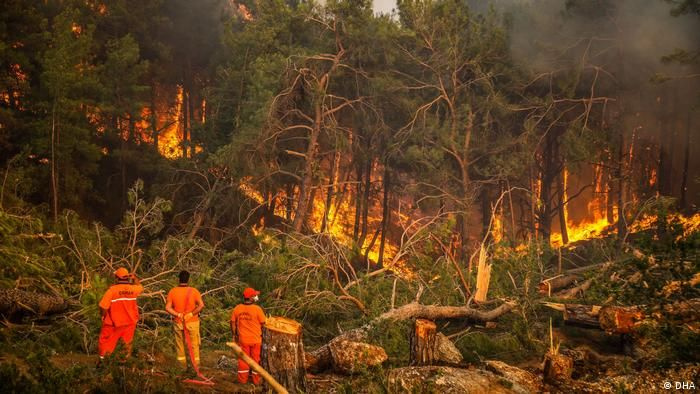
x=627, y=39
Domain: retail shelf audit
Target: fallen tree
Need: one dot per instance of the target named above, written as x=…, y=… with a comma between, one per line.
x=322, y=358
x=15, y=301
x=548, y=286
x=415, y=310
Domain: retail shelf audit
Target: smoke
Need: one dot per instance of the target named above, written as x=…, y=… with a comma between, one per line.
x=656, y=102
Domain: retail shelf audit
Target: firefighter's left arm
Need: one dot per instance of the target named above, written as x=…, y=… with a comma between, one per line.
x=199, y=304
x=105, y=303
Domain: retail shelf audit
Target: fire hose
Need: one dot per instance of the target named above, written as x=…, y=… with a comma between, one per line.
x=205, y=381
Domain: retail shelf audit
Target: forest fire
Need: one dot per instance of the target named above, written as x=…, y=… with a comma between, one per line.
x=581, y=231
x=338, y=223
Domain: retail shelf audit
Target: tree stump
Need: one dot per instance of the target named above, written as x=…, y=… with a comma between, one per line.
x=422, y=340
x=283, y=353
x=557, y=368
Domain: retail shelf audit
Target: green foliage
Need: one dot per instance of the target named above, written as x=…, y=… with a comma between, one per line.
x=393, y=337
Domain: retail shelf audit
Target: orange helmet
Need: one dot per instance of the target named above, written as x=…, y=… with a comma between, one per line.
x=250, y=292
x=121, y=273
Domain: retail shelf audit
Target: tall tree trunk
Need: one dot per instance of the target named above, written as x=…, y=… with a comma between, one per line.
x=331, y=190
x=663, y=174
x=290, y=201
x=609, y=191
x=365, y=202
x=562, y=207
x=185, y=118
x=54, y=172
x=683, y=202
x=386, y=215
x=308, y=176
x=621, y=223
x=154, y=118
x=192, y=113
x=122, y=166
x=486, y=212
x=358, y=202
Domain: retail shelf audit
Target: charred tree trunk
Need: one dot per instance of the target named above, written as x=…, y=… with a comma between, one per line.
x=54, y=159
x=386, y=214
x=562, y=208
x=289, y=201
x=283, y=353
x=683, y=202
x=308, y=176
x=549, y=174
x=154, y=118
x=621, y=223
x=486, y=212
x=331, y=191
x=185, y=118
x=365, y=202
x=422, y=342
x=358, y=201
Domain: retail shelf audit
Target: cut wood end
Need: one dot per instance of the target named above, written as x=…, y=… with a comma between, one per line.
x=420, y=323
x=282, y=325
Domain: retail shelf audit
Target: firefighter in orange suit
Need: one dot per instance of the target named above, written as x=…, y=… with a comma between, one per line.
x=119, y=312
x=247, y=320
x=185, y=303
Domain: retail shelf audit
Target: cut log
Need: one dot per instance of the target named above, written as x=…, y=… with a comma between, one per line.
x=423, y=343
x=321, y=359
x=446, y=351
x=558, y=368
x=575, y=291
x=283, y=353
x=449, y=380
x=350, y=357
x=15, y=301
x=582, y=315
x=619, y=319
x=415, y=310
x=520, y=376
x=549, y=286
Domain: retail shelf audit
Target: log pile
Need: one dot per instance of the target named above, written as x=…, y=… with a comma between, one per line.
x=283, y=353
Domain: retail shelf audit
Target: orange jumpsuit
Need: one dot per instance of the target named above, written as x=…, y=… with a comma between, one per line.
x=248, y=320
x=121, y=318
x=184, y=299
